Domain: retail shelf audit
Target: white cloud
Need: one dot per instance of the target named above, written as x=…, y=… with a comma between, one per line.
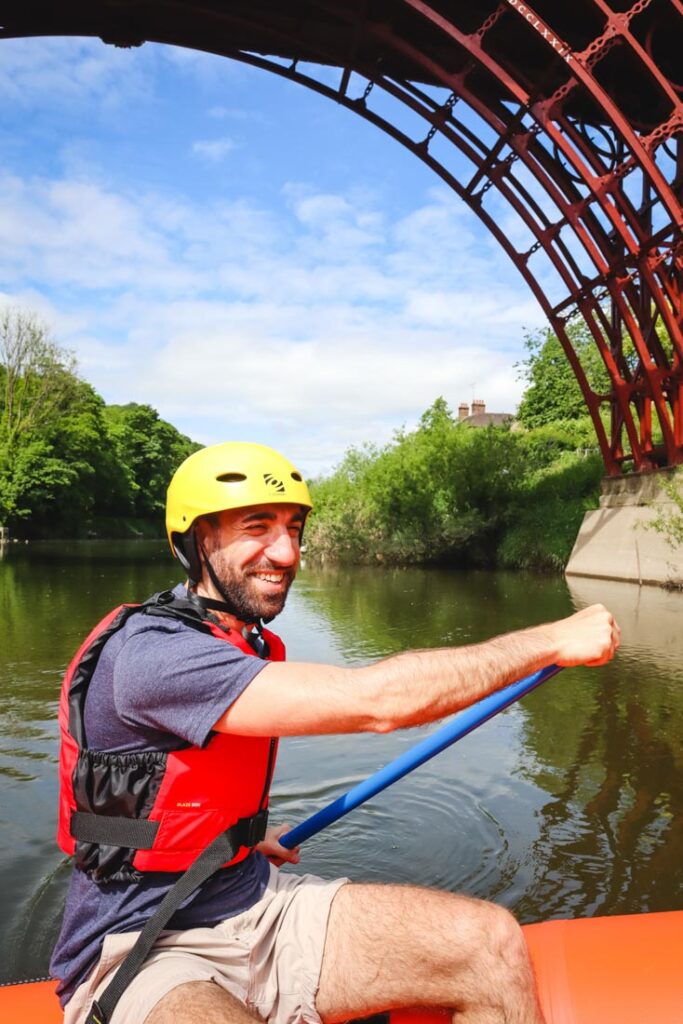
x=317, y=327
x=254, y=116
x=205, y=69
x=213, y=150
x=54, y=71
x=80, y=234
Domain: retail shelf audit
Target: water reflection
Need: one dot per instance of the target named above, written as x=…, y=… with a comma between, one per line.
x=607, y=751
x=651, y=620
x=569, y=803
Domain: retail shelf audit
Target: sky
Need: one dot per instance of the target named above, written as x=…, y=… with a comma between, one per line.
x=247, y=257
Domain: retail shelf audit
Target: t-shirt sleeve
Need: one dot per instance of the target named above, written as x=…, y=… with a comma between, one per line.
x=177, y=680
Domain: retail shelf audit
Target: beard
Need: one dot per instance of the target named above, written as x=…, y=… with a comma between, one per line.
x=242, y=590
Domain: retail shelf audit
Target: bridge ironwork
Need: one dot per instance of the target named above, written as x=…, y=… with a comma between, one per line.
x=560, y=125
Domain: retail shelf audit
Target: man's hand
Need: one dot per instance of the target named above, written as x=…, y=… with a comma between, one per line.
x=590, y=637
x=275, y=853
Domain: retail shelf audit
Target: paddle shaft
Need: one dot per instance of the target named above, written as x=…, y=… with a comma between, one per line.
x=462, y=724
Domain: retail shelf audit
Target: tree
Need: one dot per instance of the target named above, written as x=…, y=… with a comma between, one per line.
x=36, y=376
x=66, y=458
x=438, y=493
x=37, y=383
x=553, y=392
x=150, y=450
x=101, y=485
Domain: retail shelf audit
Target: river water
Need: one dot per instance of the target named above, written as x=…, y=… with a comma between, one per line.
x=570, y=803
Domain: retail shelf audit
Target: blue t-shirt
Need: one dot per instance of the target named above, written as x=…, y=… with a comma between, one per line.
x=158, y=685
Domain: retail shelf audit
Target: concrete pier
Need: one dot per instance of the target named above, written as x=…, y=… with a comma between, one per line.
x=614, y=543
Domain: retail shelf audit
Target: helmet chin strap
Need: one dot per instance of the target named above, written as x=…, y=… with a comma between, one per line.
x=226, y=604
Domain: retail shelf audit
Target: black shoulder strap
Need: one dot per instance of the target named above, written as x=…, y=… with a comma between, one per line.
x=190, y=609
x=196, y=612
x=247, y=832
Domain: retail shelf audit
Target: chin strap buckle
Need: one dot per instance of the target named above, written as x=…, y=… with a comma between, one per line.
x=256, y=640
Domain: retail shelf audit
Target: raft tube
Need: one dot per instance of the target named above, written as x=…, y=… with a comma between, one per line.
x=600, y=970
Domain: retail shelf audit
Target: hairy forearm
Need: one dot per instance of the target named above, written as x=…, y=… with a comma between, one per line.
x=294, y=699
x=421, y=686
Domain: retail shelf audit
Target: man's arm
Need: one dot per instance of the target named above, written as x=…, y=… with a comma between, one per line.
x=296, y=699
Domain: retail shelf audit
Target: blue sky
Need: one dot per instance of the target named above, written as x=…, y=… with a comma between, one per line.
x=247, y=257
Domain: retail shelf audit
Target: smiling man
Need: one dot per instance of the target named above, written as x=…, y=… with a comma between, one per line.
x=234, y=557
x=177, y=912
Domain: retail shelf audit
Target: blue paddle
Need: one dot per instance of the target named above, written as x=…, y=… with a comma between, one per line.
x=462, y=724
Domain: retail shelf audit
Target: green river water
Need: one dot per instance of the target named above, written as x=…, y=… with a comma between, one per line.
x=568, y=804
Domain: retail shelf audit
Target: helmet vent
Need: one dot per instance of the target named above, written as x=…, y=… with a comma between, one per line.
x=231, y=478
x=274, y=483
x=297, y=477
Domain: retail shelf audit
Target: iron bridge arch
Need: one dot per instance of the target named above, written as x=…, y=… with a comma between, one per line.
x=560, y=125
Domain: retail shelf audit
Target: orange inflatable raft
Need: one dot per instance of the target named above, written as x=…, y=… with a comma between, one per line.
x=602, y=970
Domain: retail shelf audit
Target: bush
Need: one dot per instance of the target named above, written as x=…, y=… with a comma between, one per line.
x=449, y=493
x=546, y=521
x=437, y=494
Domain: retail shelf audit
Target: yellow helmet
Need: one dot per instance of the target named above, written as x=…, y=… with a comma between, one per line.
x=234, y=474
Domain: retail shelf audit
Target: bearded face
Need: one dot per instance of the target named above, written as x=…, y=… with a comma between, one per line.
x=252, y=556
x=256, y=591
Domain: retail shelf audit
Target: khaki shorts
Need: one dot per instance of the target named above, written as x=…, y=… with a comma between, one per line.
x=269, y=957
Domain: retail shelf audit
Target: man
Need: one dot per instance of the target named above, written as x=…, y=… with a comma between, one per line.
x=169, y=740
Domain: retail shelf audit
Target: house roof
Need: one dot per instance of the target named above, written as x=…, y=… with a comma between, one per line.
x=489, y=419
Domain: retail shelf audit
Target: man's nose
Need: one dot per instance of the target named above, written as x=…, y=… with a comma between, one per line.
x=283, y=549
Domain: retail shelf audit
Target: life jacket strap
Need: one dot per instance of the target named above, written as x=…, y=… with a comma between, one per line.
x=246, y=832
x=107, y=830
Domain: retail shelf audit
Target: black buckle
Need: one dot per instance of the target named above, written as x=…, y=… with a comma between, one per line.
x=96, y=1015
x=257, y=641
x=251, y=831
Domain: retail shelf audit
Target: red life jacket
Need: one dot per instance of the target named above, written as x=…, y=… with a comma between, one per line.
x=125, y=813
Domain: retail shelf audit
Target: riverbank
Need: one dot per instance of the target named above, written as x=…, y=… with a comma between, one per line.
x=452, y=495
x=98, y=528
x=446, y=494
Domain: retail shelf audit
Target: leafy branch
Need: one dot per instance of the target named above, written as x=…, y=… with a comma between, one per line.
x=669, y=521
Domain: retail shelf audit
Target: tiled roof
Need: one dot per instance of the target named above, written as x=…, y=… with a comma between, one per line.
x=489, y=419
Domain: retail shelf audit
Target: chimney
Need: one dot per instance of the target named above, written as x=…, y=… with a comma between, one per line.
x=478, y=406
x=463, y=411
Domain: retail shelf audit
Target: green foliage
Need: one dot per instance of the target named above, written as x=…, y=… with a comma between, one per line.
x=669, y=521
x=67, y=461
x=38, y=388
x=33, y=477
x=439, y=493
x=553, y=392
x=442, y=493
x=149, y=450
x=450, y=493
x=551, y=504
x=543, y=445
